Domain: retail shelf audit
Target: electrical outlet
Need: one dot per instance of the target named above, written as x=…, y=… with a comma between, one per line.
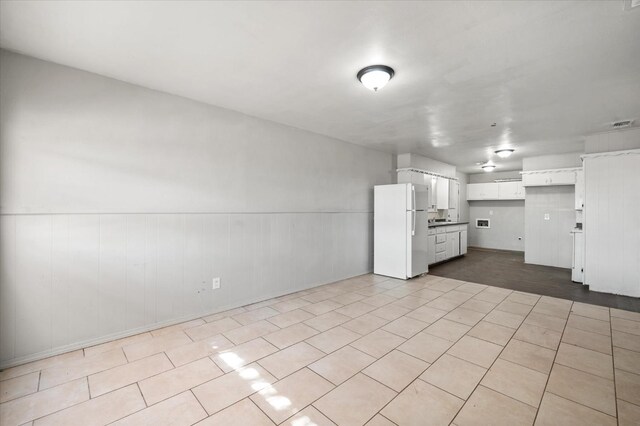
x=215, y=283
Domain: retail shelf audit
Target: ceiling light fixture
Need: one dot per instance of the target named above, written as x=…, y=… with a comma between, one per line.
x=488, y=167
x=375, y=77
x=504, y=153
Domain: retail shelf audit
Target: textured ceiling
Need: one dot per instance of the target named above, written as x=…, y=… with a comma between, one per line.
x=547, y=73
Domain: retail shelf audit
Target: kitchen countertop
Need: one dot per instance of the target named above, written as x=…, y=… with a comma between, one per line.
x=437, y=224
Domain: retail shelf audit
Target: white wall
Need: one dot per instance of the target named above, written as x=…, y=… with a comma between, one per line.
x=119, y=204
x=419, y=162
x=507, y=217
x=507, y=224
x=548, y=242
x=611, y=224
x=619, y=140
x=555, y=161
x=493, y=176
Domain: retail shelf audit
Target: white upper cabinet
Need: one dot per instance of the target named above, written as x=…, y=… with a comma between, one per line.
x=454, y=194
x=521, y=190
x=483, y=191
x=442, y=191
x=549, y=177
x=511, y=190
x=433, y=194
x=508, y=191
x=495, y=191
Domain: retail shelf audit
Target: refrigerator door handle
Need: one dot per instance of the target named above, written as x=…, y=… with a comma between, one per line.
x=413, y=197
x=413, y=223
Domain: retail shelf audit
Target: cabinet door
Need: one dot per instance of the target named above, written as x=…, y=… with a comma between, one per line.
x=490, y=191
x=549, y=178
x=454, y=191
x=456, y=243
x=463, y=242
x=431, y=249
x=433, y=192
x=451, y=240
x=535, y=179
x=442, y=189
x=520, y=190
x=508, y=190
x=562, y=178
x=474, y=191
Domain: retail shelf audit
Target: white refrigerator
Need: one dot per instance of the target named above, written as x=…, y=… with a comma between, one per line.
x=400, y=230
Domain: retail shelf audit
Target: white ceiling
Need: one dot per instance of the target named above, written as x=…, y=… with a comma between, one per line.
x=547, y=73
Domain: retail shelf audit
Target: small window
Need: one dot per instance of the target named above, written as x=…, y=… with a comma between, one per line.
x=483, y=223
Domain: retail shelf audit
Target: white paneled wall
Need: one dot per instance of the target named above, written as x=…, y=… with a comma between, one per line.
x=119, y=204
x=612, y=222
x=70, y=279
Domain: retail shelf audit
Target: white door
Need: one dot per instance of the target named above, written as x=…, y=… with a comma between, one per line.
x=418, y=243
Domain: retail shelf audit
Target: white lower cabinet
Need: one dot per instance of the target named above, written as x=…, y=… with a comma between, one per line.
x=463, y=241
x=446, y=242
x=431, y=249
x=453, y=244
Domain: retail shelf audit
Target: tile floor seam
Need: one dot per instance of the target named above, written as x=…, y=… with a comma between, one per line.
x=430, y=364
x=423, y=330
x=384, y=417
x=304, y=407
x=199, y=403
x=489, y=368
x=613, y=364
x=122, y=365
x=555, y=355
x=383, y=407
x=248, y=398
x=142, y=394
x=578, y=403
x=70, y=406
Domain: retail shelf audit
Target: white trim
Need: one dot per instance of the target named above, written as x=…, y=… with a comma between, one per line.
x=610, y=153
x=568, y=169
x=425, y=172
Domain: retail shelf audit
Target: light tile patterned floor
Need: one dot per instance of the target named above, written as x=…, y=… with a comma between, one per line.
x=367, y=350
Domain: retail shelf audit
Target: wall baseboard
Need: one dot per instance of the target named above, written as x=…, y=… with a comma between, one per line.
x=115, y=336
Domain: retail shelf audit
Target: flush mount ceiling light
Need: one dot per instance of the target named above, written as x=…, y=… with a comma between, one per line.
x=375, y=77
x=488, y=167
x=504, y=153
